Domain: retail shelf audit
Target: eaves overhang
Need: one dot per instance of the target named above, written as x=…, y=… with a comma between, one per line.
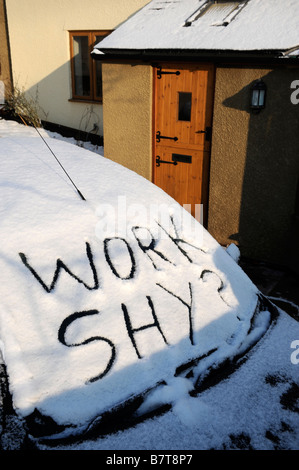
x=183, y=55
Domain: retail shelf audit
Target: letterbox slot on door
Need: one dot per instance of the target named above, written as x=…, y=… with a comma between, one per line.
x=181, y=158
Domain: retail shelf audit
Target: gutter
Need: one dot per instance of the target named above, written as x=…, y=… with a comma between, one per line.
x=150, y=55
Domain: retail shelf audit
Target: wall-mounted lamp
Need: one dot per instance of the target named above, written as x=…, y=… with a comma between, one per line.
x=258, y=95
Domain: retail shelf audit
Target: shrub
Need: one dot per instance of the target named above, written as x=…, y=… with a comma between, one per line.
x=19, y=105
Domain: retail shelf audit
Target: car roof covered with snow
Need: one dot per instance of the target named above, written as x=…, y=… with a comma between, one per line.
x=106, y=298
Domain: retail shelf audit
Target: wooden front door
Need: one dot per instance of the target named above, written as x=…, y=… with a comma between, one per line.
x=183, y=120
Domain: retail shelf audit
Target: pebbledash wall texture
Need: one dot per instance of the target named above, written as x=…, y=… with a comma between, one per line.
x=254, y=164
x=127, y=102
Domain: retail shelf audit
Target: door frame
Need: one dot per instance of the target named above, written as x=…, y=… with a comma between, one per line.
x=179, y=66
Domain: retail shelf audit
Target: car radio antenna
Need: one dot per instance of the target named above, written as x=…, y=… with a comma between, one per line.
x=79, y=192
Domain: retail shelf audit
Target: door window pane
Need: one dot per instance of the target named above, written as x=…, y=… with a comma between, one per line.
x=185, y=100
x=81, y=65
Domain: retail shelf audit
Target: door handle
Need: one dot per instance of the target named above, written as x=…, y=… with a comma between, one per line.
x=208, y=133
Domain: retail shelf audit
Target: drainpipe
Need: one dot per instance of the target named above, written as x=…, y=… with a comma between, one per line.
x=10, y=78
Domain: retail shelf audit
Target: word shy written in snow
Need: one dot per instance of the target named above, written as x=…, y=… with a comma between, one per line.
x=149, y=249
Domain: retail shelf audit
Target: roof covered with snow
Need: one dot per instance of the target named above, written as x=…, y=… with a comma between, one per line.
x=249, y=25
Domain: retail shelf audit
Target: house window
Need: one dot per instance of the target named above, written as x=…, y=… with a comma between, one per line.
x=86, y=72
x=217, y=11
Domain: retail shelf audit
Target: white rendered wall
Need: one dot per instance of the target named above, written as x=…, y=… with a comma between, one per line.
x=40, y=52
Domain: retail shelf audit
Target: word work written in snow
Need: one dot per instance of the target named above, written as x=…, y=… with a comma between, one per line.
x=146, y=242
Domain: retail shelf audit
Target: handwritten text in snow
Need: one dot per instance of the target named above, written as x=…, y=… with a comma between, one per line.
x=147, y=247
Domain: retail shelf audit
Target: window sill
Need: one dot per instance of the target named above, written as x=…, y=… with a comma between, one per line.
x=77, y=100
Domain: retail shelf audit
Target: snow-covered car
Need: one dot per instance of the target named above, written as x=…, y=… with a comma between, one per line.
x=116, y=304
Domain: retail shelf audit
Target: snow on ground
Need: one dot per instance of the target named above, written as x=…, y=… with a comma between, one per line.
x=124, y=295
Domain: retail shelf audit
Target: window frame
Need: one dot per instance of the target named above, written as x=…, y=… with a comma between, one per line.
x=213, y=4
x=91, y=35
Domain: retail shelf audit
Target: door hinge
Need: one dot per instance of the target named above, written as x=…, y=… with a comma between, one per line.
x=160, y=72
x=159, y=161
x=159, y=137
